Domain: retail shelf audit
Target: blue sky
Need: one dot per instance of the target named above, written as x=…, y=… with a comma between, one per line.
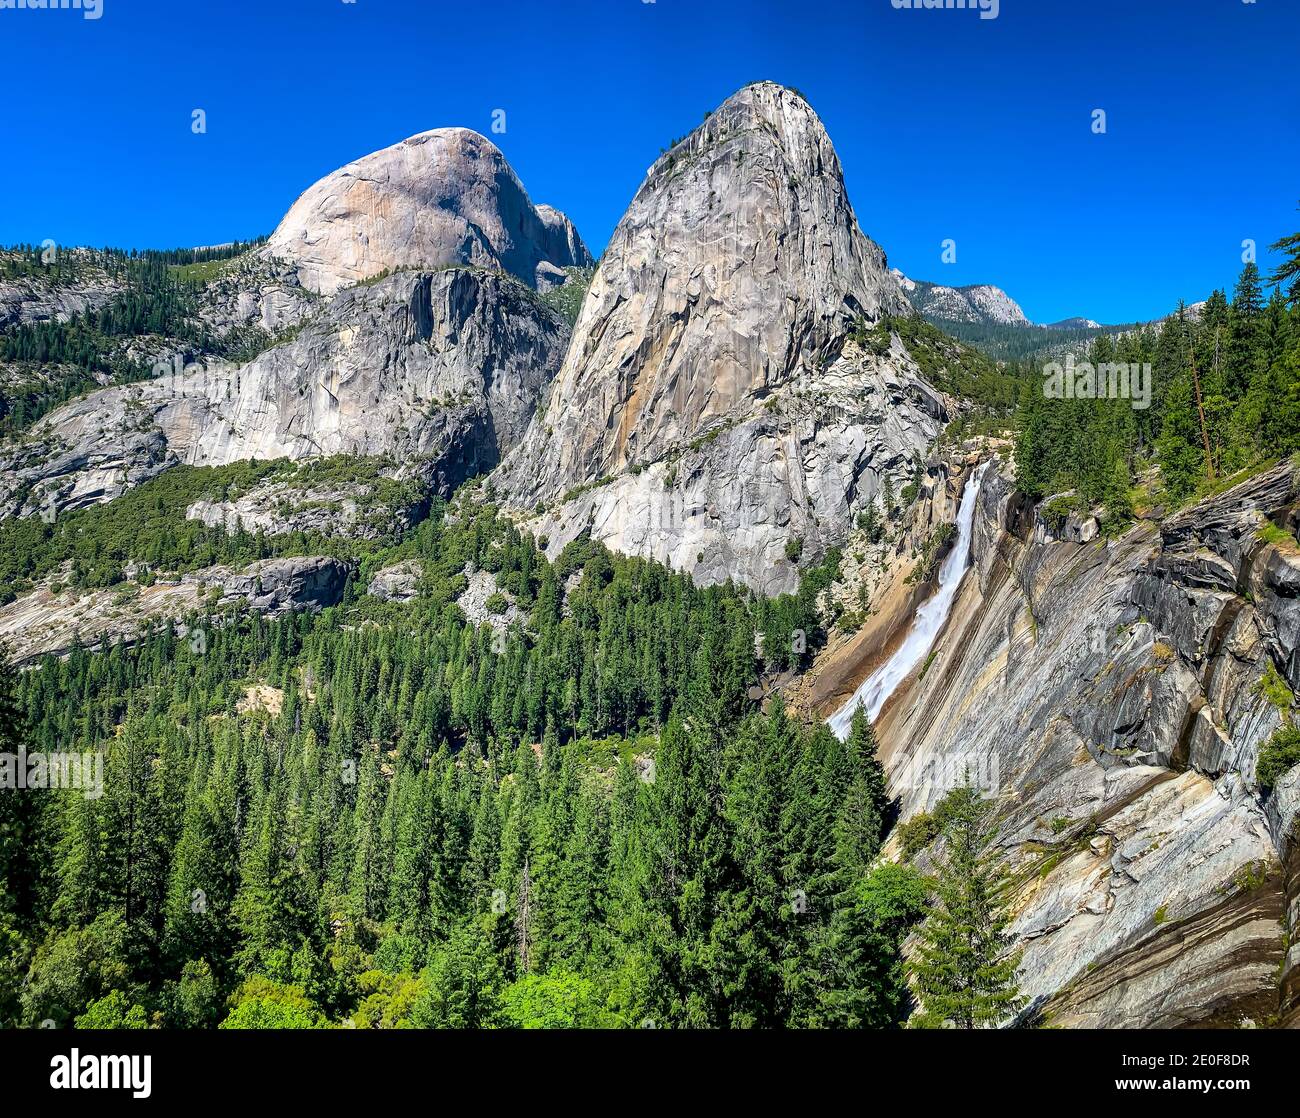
x=948, y=125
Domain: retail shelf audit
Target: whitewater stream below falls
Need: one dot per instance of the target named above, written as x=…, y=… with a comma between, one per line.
x=929, y=620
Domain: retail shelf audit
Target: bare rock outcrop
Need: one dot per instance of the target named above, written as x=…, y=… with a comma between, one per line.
x=256, y=291
x=441, y=198
x=399, y=582
x=276, y=586
x=438, y=370
x=1108, y=694
x=54, y=621
x=706, y=413
x=36, y=298
x=480, y=590
x=359, y=509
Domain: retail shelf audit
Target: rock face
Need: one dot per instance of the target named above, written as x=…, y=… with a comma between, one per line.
x=445, y=366
x=441, y=371
x=562, y=246
x=441, y=368
x=1108, y=693
x=708, y=375
x=978, y=302
x=32, y=299
x=399, y=582
x=43, y=623
x=276, y=586
x=352, y=510
x=728, y=504
x=255, y=292
x=480, y=589
x=441, y=198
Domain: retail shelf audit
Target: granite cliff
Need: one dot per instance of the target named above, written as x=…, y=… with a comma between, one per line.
x=735, y=399
x=1110, y=695
x=711, y=409
x=441, y=198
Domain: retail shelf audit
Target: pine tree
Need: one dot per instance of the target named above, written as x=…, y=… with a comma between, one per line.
x=1033, y=447
x=864, y=986
x=964, y=968
x=1182, y=462
x=754, y=906
x=1287, y=274
x=579, y=904
x=1244, y=322
x=25, y=818
x=689, y=864
x=463, y=984
x=860, y=825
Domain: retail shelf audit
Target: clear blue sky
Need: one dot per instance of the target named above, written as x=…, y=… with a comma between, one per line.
x=949, y=126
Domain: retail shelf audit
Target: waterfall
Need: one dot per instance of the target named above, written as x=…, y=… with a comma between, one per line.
x=930, y=618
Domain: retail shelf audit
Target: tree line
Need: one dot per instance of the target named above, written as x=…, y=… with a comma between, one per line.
x=68, y=358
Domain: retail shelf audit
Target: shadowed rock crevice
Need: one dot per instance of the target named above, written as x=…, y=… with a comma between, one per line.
x=440, y=371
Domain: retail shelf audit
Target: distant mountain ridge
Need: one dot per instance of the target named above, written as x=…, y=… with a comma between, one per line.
x=986, y=317
x=989, y=305
x=977, y=302
x=981, y=303
x=1075, y=323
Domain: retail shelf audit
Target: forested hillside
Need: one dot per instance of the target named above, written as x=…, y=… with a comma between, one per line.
x=155, y=294
x=1016, y=343
x=383, y=816
x=1224, y=398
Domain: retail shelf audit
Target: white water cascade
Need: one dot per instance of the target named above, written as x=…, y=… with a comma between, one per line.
x=930, y=617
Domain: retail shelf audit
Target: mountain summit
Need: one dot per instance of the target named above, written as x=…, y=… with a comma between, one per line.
x=976, y=302
x=440, y=366
x=443, y=197
x=726, y=295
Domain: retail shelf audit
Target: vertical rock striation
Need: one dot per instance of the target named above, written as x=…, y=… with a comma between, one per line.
x=1109, y=691
x=438, y=370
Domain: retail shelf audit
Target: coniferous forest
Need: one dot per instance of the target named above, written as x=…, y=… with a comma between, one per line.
x=595, y=826
x=718, y=518
x=1225, y=398
x=384, y=816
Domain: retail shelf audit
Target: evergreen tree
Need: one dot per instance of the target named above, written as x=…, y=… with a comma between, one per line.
x=861, y=821
x=1287, y=273
x=864, y=985
x=1182, y=460
x=964, y=968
